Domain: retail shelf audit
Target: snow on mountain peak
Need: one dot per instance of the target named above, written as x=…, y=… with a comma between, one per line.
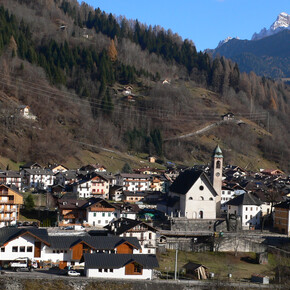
x=282, y=22
x=226, y=40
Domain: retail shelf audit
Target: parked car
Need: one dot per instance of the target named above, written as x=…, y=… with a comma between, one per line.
x=73, y=273
x=21, y=264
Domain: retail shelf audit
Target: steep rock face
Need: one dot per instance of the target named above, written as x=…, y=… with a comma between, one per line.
x=282, y=23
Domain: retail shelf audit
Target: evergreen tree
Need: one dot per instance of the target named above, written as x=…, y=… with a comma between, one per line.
x=29, y=202
x=126, y=168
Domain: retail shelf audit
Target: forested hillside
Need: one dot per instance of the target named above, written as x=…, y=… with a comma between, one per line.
x=95, y=79
x=269, y=56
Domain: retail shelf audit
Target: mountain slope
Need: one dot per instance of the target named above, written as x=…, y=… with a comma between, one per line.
x=268, y=56
x=89, y=90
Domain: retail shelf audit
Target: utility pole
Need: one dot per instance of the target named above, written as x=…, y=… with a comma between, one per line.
x=176, y=255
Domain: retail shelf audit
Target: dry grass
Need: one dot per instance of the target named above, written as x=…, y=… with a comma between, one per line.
x=241, y=266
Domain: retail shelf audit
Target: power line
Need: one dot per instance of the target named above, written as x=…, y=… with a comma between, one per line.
x=164, y=114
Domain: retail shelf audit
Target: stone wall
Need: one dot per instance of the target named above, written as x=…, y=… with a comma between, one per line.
x=238, y=243
x=197, y=225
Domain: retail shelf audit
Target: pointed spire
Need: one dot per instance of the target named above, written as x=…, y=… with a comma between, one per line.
x=218, y=152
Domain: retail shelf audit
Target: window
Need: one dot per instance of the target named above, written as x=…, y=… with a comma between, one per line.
x=251, y=216
x=246, y=217
x=106, y=270
x=210, y=198
x=251, y=208
x=201, y=214
x=14, y=249
x=2, y=250
x=218, y=164
x=100, y=270
x=109, y=214
x=201, y=198
x=99, y=221
x=149, y=251
x=95, y=214
x=29, y=249
x=190, y=198
x=137, y=268
x=246, y=208
x=22, y=249
x=150, y=236
x=111, y=270
x=201, y=187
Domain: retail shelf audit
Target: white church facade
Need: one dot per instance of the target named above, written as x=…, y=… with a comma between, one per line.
x=195, y=196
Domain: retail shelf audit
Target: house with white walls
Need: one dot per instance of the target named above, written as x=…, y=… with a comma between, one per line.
x=99, y=212
x=146, y=234
x=37, y=178
x=248, y=207
x=62, y=248
x=120, y=266
x=10, y=177
x=134, y=182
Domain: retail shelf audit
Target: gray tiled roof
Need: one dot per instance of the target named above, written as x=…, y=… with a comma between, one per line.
x=245, y=199
x=124, y=224
x=116, y=261
x=7, y=234
x=65, y=241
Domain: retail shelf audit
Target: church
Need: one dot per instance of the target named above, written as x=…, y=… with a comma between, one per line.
x=196, y=196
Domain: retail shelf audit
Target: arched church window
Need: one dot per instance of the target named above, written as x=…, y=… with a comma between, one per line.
x=210, y=198
x=201, y=198
x=190, y=198
x=201, y=187
x=201, y=214
x=218, y=164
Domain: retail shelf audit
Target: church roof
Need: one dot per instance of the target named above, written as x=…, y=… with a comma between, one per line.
x=218, y=152
x=187, y=179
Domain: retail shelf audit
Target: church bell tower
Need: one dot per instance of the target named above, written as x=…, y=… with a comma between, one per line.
x=217, y=175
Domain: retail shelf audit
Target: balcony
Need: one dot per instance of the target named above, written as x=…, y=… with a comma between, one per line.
x=2, y=210
x=5, y=219
x=6, y=201
x=149, y=245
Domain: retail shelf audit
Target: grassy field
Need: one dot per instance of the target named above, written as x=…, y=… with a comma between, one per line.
x=241, y=266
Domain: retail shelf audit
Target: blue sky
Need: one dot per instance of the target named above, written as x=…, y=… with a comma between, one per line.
x=205, y=22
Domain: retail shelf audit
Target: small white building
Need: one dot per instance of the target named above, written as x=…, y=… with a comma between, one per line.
x=25, y=112
x=99, y=212
x=248, y=207
x=120, y=266
x=228, y=194
x=83, y=188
